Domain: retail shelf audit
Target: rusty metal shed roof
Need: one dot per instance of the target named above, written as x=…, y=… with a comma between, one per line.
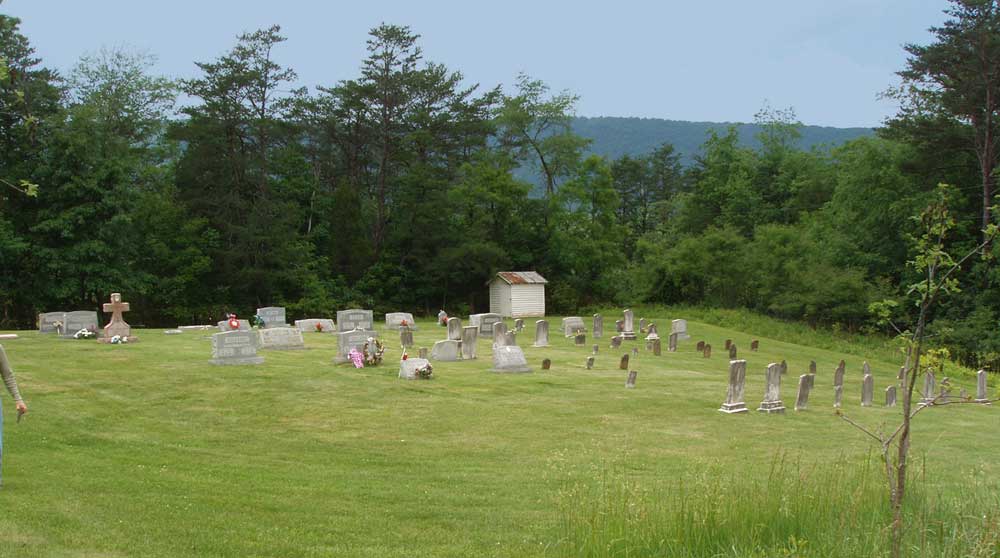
x=521, y=277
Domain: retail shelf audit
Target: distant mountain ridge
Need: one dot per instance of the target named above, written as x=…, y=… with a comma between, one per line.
x=615, y=136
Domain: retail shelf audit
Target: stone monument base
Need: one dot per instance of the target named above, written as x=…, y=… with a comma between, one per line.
x=237, y=361
x=772, y=407
x=733, y=408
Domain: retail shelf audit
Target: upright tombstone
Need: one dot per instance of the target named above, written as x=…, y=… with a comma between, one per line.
x=598, y=326
x=806, y=382
x=485, y=322
x=901, y=376
x=772, y=393
x=680, y=327
x=590, y=363
x=628, y=325
x=784, y=367
x=447, y=350
x=732, y=351
x=280, y=338
x=499, y=334
x=734, y=394
x=981, y=396
x=509, y=359
x=546, y=364
x=510, y=338
x=347, y=340
x=541, y=333
x=454, y=329
x=672, y=343
x=729, y=343
x=117, y=327
x=316, y=325
x=519, y=325
x=838, y=384
x=405, y=337
x=272, y=316
x=630, y=381
x=707, y=353
x=616, y=341
x=754, y=345
x=408, y=368
x=623, y=364
x=572, y=326
x=595, y=348
x=580, y=339
x=635, y=352
x=928, y=393
x=77, y=320
x=619, y=326
x=470, y=340
x=653, y=334
x=642, y=325
x=865, y=369
x=422, y=353
x=47, y=321
x=396, y=320
x=812, y=367
x=890, y=396
x=867, y=390
x=350, y=320
x=657, y=349
x=235, y=347
x=700, y=347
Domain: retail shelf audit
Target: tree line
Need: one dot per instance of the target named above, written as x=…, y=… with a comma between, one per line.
x=400, y=190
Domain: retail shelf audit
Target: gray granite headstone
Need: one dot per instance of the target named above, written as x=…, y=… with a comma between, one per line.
x=590, y=362
x=273, y=316
x=519, y=325
x=672, y=343
x=616, y=341
x=235, y=347
x=867, y=390
x=657, y=347
x=454, y=329
x=630, y=381
x=734, y=394
x=772, y=393
x=408, y=368
x=680, y=327
x=981, y=390
x=838, y=384
x=393, y=320
x=806, y=382
x=485, y=322
x=541, y=333
x=623, y=364
x=405, y=336
x=890, y=396
x=470, y=342
x=499, y=334
x=928, y=393
x=280, y=338
x=573, y=325
x=642, y=325
x=354, y=339
x=509, y=359
x=598, y=326
x=349, y=320
x=47, y=321
x=77, y=320
x=308, y=325
x=580, y=339
x=628, y=325
x=447, y=350
x=865, y=369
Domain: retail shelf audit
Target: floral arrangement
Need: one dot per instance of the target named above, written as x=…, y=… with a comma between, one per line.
x=442, y=318
x=404, y=323
x=373, y=352
x=58, y=325
x=234, y=322
x=256, y=321
x=118, y=339
x=356, y=358
x=319, y=327
x=85, y=334
x=424, y=372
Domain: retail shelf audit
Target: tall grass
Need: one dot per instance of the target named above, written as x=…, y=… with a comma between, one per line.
x=834, y=509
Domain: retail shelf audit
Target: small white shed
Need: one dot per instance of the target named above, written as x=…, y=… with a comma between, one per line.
x=518, y=294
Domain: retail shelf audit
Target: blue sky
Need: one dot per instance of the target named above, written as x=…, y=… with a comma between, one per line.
x=682, y=60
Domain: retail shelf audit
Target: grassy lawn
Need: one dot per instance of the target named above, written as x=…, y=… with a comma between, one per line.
x=148, y=450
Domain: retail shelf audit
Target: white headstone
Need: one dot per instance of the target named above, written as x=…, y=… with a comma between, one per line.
x=281, y=338
x=734, y=394
x=309, y=325
x=395, y=319
x=447, y=350
x=273, y=316
x=680, y=327
x=509, y=359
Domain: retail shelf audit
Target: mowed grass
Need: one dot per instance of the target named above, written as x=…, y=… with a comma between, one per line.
x=148, y=450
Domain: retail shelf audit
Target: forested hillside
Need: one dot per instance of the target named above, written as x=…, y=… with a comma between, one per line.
x=399, y=189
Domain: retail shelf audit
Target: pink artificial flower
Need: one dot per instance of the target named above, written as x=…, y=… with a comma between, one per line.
x=357, y=358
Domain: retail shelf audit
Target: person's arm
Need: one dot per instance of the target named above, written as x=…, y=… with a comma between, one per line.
x=8, y=379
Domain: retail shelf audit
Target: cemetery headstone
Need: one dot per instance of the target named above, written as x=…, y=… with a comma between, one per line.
x=518, y=325
x=616, y=342
x=235, y=347
x=700, y=347
x=623, y=365
x=630, y=381
x=573, y=325
x=447, y=350
x=347, y=340
x=598, y=326
x=590, y=363
x=499, y=334
x=408, y=368
x=350, y=320
x=890, y=396
x=422, y=353
x=619, y=326
x=628, y=325
x=680, y=327
x=541, y=333
x=928, y=393
x=707, y=353
x=509, y=359
x=546, y=364
x=867, y=390
x=273, y=316
x=734, y=394
x=838, y=384
x=812, y=367
x=729, y=343
x=754, y=345
x=510, y=338
x=454, y=329
x=805, y=386
x=657, y=350
x=981, y=396
x=280, y=338
x=405, y=337
x=485, y=322
x=772, y=393
x=47, y=321
x=732, y=351
x=470, y=342
x=580, y=340
x=77, y=320
x=865, y=369
x=642, y=325
x=316, y=325
x=117, y=326
x=395, y=320
x=672, y=343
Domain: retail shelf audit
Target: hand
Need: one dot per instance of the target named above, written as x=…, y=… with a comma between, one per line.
x=21, y=407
